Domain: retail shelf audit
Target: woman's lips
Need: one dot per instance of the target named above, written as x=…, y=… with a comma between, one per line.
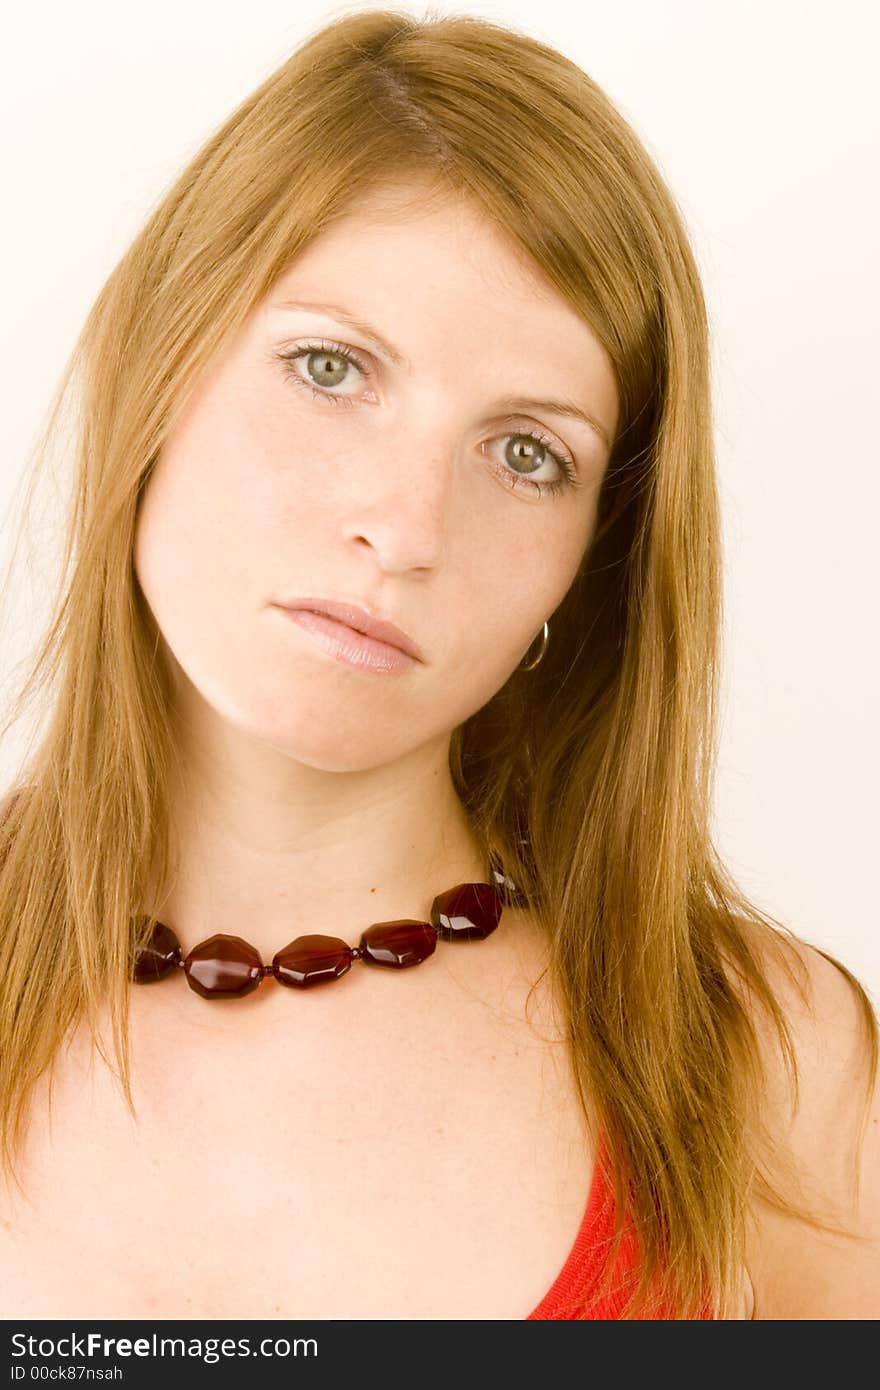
x=353, y=615
x=347, y=645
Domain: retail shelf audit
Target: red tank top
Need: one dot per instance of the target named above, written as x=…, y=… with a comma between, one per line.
x=571, y=1295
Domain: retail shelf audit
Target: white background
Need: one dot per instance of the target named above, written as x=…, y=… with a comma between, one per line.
x=763, y=118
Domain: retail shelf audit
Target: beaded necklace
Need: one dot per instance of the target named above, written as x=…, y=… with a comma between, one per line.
x=229, y=967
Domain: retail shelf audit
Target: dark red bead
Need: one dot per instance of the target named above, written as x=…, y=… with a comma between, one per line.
x=468, y=912
x=158, y=957
x=223, y=967
x=311, y=960
x=398, y=944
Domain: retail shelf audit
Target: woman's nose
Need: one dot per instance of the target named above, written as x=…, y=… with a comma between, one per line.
x=404, y=505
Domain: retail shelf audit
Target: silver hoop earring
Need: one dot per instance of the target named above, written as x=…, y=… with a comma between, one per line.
x=532, y=664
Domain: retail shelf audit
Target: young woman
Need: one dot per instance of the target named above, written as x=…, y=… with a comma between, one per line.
x=393, y=568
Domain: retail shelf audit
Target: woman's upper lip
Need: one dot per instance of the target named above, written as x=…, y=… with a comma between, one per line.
x=354, y=616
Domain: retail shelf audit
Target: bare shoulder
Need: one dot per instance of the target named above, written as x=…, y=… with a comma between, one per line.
x=820, y=1156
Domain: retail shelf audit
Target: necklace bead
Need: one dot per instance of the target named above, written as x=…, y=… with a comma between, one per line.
x=223, y=967
x=398, y=944
x=311, y=960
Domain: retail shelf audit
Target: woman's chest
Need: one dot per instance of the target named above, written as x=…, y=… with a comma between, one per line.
x=415, y=1155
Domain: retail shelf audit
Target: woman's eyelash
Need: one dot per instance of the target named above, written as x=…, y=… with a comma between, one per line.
x=568, y=479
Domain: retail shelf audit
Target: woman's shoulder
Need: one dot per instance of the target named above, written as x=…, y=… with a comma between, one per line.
x=818, y=1154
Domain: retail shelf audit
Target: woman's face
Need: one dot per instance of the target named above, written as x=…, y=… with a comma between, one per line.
x=417, y=478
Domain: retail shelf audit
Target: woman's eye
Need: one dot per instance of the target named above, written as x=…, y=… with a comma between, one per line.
x=323, y=367
x=525, y=450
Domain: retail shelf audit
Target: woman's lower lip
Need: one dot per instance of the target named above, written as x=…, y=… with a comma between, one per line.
x=346, y=645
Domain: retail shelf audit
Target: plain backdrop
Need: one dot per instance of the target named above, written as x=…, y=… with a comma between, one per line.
x=763, y=118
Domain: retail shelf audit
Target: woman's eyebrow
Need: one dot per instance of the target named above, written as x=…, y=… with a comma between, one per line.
x=337, y=312
x=565, y=407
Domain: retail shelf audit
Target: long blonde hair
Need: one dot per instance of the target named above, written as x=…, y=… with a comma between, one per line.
x=589, y=776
